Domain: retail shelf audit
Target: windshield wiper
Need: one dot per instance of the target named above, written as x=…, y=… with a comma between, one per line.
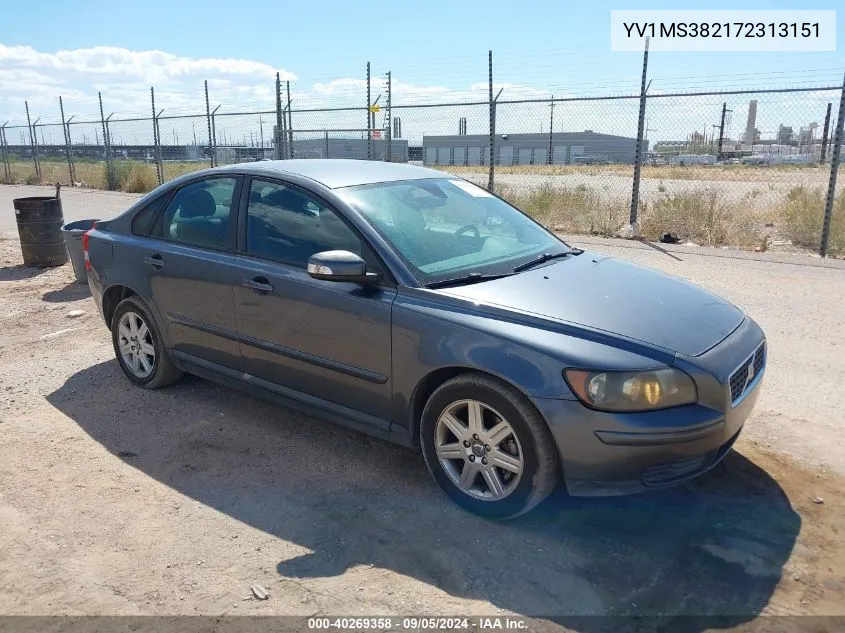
x=472, y=278
x=546, y=257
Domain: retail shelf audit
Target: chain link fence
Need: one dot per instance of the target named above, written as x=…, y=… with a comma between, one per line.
x=750, y=169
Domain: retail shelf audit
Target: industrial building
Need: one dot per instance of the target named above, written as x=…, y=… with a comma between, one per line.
x=328, y=147
x=531, y=149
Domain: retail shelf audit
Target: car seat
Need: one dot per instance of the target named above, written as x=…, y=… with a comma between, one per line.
x=197, y=224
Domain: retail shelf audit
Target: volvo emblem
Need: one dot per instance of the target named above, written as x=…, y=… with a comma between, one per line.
x=750, y=377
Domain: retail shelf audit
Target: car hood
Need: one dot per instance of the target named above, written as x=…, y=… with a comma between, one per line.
x=615, y=296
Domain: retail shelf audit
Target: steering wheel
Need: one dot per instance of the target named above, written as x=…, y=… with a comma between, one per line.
x=469, y=227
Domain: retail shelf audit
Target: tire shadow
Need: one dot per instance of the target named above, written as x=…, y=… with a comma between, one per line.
x=713, y=548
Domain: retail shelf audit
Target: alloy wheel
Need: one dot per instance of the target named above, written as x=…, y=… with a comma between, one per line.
x=479, y=450
x=135, y=343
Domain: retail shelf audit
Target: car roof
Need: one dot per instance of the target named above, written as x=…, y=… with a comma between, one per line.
x=335, y=172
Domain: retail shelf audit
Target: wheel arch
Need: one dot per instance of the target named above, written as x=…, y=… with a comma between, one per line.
x=116, y=293
x=437, y=377
x=112, y=297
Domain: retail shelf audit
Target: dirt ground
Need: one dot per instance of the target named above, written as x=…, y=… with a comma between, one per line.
x=120, y=501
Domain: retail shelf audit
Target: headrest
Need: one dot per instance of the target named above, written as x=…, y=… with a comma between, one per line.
x=198, y=204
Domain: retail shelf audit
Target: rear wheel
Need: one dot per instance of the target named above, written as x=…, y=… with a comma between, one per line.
x=487, y=447
x=139, y=348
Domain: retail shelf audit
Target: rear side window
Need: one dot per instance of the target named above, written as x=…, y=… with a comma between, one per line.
x=144, y=220
x=198, y=214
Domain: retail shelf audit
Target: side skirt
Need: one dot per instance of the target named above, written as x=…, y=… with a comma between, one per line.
x=306, y=403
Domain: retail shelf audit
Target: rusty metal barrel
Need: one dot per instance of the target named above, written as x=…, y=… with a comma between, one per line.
x=40, y=222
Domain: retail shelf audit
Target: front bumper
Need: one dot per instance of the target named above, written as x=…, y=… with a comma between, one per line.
x=620, y=453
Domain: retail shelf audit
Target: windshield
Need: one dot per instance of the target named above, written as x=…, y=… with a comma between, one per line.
x=447, y=228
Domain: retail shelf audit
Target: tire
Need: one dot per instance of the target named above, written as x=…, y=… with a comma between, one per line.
x=151, y=371
x=528, y=445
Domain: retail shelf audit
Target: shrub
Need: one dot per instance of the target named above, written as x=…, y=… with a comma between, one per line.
x=573, y=210
x=134, y=177
x=802, y=213
x=704, y=216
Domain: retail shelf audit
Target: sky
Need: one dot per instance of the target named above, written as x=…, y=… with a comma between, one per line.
x=435, y=50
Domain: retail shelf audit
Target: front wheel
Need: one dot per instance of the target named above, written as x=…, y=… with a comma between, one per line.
x=487, y=447
x=139, y=348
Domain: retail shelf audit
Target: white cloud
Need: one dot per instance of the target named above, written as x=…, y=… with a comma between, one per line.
x=148, y=66
x=124, y=76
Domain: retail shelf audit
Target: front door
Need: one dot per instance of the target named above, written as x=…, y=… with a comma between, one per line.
x=327, y=340
x=189, y=262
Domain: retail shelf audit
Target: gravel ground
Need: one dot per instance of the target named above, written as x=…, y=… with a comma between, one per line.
x=116, y=500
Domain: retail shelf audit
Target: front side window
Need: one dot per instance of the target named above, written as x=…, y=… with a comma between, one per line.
x=199, y=214
x=445, y=228
x=288, y=226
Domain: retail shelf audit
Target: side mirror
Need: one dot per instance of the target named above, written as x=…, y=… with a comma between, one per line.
x=340, y=266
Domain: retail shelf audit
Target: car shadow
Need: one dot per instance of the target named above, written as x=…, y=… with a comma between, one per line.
x=713, y=547
x=20, y=272
x=73, y=291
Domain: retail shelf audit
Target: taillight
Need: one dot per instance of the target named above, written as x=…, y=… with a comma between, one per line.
x=85, y=246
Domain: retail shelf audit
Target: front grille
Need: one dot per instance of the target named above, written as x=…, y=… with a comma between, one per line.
x=678, y=469
x=739, y=379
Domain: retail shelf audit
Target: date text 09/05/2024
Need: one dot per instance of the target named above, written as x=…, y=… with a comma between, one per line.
x=723, y=29
x=418, y=623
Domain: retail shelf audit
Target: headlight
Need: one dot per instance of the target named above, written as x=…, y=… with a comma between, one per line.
x=631, y=390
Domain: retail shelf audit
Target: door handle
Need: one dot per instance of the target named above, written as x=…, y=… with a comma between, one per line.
x=156, y=261
x=258, y=284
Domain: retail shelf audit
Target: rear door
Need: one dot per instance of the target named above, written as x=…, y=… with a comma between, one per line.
x=324, y=339
x=188, y=260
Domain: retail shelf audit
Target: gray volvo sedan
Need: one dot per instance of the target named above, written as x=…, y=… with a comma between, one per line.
x=416, y=306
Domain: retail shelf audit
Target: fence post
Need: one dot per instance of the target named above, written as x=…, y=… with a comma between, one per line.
x=155, y=136
x=369, y=130
x=388, y=156
x=490, y=175
x=33, y=144
x=550, y=160
x=158, y=148
x=70, y=145
x=638, y=156
x=215, y=161
x=208, y=120
x=289, y=123
x=721, y=131
x=327, y=143
x=7, y=169
x=277, y=134
x=70, y=173
x=835, y=157
x=823, y=153
x=109, y=172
